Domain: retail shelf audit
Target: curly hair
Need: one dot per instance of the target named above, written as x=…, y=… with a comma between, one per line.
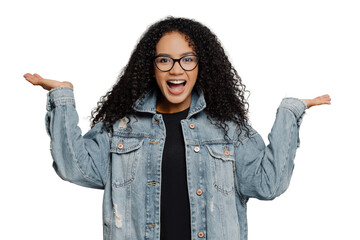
x=223, y=89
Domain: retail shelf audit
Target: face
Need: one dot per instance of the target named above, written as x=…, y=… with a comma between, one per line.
x=176, y=85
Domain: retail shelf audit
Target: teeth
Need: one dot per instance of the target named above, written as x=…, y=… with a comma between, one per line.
x=176, y=81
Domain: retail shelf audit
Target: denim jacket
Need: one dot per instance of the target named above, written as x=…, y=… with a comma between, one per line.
x=221, y=175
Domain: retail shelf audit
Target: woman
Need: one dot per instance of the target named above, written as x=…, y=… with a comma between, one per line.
x=170, y=143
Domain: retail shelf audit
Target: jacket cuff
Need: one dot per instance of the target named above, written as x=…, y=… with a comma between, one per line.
x=295, y=105
x=60, y=96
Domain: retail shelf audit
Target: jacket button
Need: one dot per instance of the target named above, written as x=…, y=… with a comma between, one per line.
x=199, y=192
x=196, y=149
x=192, y=126
x=120, y=145
x=200, y=234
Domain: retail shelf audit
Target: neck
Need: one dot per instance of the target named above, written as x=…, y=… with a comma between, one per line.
x=163, y=106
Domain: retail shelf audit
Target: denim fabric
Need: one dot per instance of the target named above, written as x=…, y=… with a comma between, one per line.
x=221, y=175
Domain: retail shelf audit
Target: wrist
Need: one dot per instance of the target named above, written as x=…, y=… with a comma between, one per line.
x=306, y=102
x=62, y=84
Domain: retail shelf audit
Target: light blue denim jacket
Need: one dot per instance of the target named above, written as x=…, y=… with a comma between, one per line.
x=127, y=165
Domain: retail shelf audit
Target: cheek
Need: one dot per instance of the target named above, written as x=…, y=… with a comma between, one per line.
x=194, y=76
x=159, y=76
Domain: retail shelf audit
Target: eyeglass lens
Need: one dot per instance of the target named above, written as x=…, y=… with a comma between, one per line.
x=164, y=63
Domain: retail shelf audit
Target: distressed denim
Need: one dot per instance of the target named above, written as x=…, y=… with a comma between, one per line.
x=127, y=165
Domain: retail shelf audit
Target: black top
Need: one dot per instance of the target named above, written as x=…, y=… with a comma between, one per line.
x=175, y=205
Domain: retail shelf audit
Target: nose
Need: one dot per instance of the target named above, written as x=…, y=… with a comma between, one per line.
x=177, y=69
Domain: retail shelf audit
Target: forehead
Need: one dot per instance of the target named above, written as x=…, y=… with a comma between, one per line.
x=173, y=44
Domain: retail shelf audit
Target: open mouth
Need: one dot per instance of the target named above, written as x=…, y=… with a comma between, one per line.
x=176, y=86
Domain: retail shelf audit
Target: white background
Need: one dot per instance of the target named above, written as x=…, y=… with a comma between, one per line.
x=280, y=48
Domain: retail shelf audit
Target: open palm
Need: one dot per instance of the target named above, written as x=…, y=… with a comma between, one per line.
x=47, y=84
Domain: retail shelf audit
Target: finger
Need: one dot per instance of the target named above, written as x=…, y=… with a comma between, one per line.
x=327, y=100
x=326, y=96
x=37, y=76
x=324, y=99
x=31, y=78
x=26, y=75
x=41, y=81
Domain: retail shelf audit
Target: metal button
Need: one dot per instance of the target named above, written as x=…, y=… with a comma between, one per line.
x=196, y=149
x=199, y=192
x=192, y=126
x=120, y=145
x=200, y=234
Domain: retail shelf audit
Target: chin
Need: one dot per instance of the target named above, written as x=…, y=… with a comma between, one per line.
x=176, y=100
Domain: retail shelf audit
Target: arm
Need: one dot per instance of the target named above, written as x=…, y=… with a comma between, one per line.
x=82, y=160
x=264, y=172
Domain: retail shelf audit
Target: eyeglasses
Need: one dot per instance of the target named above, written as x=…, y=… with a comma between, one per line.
x=165, y=63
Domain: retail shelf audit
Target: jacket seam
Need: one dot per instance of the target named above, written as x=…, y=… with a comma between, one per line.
x=109, y=162
x=286, y=159
x=237, y=185
x=71, y=148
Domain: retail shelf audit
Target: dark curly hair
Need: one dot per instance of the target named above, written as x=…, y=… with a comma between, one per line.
x=223, y=89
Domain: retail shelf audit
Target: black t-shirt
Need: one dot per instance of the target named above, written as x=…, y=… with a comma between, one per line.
x=175, y=205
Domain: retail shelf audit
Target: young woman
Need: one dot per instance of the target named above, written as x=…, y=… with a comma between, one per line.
x=170, y=144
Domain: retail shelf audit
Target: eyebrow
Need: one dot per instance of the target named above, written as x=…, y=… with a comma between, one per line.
x=184, y=54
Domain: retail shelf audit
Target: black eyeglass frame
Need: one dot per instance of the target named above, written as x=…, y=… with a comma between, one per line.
x=176, y=60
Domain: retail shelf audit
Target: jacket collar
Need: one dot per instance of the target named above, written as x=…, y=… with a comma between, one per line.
x=147, y=102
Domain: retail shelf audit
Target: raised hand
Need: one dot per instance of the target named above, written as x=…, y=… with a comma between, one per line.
x=324, y=99
x=48, y=84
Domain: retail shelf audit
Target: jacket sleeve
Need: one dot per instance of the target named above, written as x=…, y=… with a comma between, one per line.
x=264, y=172
x=82, y=160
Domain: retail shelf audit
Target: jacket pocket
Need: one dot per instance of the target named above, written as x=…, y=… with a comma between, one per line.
x=222, y=167
x=125, y=153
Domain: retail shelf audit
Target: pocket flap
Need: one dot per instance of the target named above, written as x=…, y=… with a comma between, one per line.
x=124, y=144
x=224, y=152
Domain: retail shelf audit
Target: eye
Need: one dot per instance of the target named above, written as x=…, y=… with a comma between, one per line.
x=191, y=59
x=163, y=60
x=188, y=59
